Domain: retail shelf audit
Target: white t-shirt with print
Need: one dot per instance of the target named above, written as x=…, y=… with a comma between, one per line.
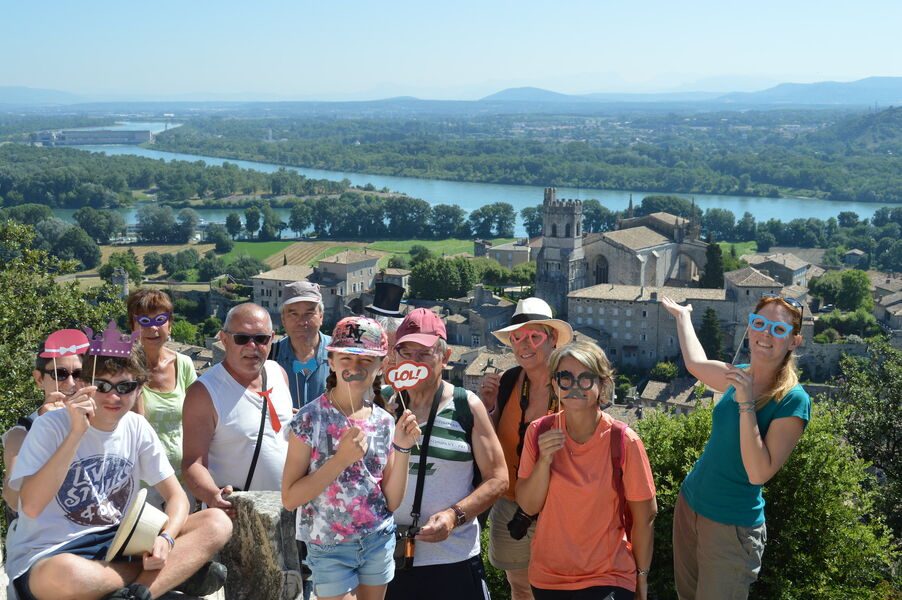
x=100, y=484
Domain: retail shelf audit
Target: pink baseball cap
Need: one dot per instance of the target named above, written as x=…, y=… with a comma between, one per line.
x=359, y=335
x=421, y=326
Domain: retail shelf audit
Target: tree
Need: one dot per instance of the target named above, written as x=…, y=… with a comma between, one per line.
x=210, y=267
x=272, y=226
x=183, y=331
x=435, y=278
x=152, y=262
x=124, y=260
x=419, y=253
x=299, y=220
x=663, y=371
x=245, y=267
x=49, y=232
x=720, y=223
x=745, y=229
x=448, y=221
x=156, y=224
x=397, y=261
x=78, y=245
x=29, y=214
x=100, y=225
x=855, y=292
x=532, y=220
x=252, y=219
x=481, y=221
x=765, y=240
x=188, y=220
x=712, y=277
x=597, y=217
x=217, y=234
x=710, y=335
x=233, y=224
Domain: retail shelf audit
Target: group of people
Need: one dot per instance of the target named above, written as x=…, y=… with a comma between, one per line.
x=392, y=483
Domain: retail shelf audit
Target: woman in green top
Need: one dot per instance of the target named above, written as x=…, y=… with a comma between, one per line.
x=718, y=523
x=150, y=312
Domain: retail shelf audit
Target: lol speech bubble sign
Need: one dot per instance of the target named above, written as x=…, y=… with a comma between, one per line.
x=407, y=375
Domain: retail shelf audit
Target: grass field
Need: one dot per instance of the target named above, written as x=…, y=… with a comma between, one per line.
x=439, y=247
x=258, y=250
x=141, y=250
x=741, y=247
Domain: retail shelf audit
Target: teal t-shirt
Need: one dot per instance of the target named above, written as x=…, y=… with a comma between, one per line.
x=718, y=486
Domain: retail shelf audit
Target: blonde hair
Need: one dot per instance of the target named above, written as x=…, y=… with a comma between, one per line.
x=592, y=358
x=787, y=376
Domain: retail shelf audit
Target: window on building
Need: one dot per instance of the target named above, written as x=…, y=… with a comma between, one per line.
x=629, y=312
x=644, y=313
x=643, y=337
x=615, y=311
x=614, y=335
x=474, y=340
x=628, y=335
x=601, y=310
x=628, y=324
x=554, y=230
x=613, y=352
x=579, y=308
x=615, y=322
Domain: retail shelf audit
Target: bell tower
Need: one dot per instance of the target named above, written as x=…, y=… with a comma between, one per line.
x=561, y=264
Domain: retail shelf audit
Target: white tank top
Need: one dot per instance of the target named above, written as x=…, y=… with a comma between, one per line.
x=238, y=411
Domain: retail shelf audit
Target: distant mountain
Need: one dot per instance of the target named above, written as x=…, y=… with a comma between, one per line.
x=21, y=96
x=530, y=94
x=880, y=90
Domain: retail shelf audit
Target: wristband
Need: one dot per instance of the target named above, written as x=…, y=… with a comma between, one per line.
x=400, y=449
x=168, y=538
x=642, y=572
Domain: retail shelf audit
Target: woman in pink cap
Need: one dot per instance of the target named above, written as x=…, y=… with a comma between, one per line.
x=346, y=470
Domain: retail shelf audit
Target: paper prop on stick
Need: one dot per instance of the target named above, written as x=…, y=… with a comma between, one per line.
x=65, y=342
x=111, y=342
x=407, y=375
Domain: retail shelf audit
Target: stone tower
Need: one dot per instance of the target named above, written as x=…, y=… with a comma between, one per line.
x=561, y=264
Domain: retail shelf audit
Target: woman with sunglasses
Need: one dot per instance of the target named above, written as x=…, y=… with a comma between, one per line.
x=582, y=549
x=515, y=399
x=718, y=525
x=169, y=372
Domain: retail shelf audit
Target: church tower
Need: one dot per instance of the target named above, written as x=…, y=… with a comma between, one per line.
x=561, y=264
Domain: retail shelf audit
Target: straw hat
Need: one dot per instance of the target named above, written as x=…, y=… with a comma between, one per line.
x=139, y=528
x=535, y=311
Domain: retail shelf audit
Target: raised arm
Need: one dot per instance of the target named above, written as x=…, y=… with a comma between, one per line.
x=712, y=373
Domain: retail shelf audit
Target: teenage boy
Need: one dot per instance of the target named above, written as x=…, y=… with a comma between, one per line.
x=77, y=473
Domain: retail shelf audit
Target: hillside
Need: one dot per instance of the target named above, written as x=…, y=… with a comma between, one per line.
x=880, y=90
x=877, y=132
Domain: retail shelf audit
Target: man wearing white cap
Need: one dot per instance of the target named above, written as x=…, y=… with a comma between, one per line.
x=514, y=399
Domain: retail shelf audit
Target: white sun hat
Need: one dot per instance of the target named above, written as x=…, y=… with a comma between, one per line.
x=537, y=312
x=138, y=529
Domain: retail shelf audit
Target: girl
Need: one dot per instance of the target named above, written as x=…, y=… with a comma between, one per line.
x=347, y=469
x=718, y=523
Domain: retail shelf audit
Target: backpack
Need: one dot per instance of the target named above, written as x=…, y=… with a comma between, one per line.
x=506, y=386
x=618, y=455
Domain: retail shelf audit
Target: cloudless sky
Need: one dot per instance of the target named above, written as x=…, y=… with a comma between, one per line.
x=466, y=49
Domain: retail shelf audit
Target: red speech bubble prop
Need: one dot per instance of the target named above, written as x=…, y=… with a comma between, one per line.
x=407, y=375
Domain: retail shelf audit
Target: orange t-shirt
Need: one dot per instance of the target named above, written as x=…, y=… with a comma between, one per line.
x=578, y=541
x=509, y=436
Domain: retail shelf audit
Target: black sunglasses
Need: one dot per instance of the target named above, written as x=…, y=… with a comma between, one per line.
x=62, y=373
x=123, y=387
x=242, y=339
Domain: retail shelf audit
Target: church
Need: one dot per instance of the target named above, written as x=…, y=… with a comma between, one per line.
x=655, y=250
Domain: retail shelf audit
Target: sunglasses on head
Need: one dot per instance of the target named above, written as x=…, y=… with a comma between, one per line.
x=157, y=321
x=261, y=339
x=791, y=302
x=584, y=381
x=778, y=329
x=123, y=387
x=62, y=373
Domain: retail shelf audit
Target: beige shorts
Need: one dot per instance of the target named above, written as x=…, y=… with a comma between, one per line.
x=504, y=551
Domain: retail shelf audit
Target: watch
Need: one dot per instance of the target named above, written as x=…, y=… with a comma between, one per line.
x=459, y=514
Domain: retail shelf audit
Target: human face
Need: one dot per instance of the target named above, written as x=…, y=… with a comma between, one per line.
x=248, y=358
x=111, y=406
x=356, y=371
x=302, y=320
x=67, y=386
x=577, y=387
x=532, y=345
x=426, y=355
x=154, y=325
x=764, y=345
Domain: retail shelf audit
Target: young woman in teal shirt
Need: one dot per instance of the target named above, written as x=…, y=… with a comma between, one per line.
x=718, y=530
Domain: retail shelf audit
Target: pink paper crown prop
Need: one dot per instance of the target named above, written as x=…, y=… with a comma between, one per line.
x=65, y=342
x=111, y=342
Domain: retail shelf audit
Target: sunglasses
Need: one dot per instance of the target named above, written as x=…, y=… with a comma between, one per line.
x=62, y=373
x=157, y=321
x=791, y=302
x=584, y=381
x=536, y=338
x=261, y=339
x=122, y=388
x=778, y=329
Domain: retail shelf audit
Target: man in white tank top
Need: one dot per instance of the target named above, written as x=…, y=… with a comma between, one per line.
x=223, y=411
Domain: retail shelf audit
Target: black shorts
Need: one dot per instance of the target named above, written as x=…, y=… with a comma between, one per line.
x=92, y=546
x=464, y=580
x=603, y=592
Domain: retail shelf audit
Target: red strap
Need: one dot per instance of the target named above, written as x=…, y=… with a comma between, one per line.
x=273, y=415
x=618, y=453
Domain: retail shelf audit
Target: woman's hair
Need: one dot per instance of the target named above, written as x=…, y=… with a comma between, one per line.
x=332, y=381
x=787, y=374
x=592, y=358
x=146, y=301
x=135, y=363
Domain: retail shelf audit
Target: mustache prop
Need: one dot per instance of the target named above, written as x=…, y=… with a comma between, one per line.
x=349, y=375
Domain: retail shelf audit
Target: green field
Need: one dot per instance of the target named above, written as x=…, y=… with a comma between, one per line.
x=259, y=250
x=741, y=247
x=438, y=247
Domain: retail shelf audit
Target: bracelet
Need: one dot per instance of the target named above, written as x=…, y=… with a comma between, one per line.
x=168, y=538
x=400, y=449
x=747, y=409
x=642, y=572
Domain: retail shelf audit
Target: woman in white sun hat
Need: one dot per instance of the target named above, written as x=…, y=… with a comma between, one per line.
x=514, y=399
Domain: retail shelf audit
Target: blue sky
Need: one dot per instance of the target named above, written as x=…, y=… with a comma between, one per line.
x=342, y=49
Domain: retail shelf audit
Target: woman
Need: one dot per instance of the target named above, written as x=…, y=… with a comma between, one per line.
x=581, y=549
x=718, y=524
x=170, y=372
x=532, y=336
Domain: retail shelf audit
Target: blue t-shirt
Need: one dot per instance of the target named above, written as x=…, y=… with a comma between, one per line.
x=307, y=384
x=718, y=486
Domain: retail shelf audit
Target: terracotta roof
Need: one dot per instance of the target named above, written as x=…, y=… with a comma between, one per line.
x=590, y=334
x=790, y=261
x=286, y=273
x=397, y=272
x=751, y=277
x=635, y=293
x=349, y=257
x=636, y=238
x=891, y=299
x=668, y=218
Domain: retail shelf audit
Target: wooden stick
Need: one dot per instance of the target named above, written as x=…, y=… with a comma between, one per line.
x=55, y=380
x=739, y=347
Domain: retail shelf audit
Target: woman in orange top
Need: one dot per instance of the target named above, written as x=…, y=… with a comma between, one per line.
x=580, y=550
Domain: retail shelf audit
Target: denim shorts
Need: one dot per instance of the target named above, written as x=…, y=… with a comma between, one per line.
x=339, y=568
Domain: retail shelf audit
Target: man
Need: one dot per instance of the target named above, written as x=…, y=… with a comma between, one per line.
x=78, y=471
x=225, y=408
x=447, y=564
x=302, y=352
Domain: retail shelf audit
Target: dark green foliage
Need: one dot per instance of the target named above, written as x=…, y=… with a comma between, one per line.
x=233, y=224
x=101, y=225
x=419, y=253
x=29, y=214
x=184, y=332
x=712, y=277
x=245, y=267
x=449, y=221
x=218, y=235
x=663, y=371
x=532, y=220
x=125, y=260
x=299, y=219
x=848, y=289
x=210, y=267
x=77, y=245
x=765, y=240
x=859, y=322
x=719, y=223
x=710, y=335
x=152, y=262
x=397, y=261
x=252, y=219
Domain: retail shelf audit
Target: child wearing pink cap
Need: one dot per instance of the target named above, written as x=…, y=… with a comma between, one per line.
x=346, y=470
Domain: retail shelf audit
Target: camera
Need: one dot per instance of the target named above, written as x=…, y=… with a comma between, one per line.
x=519, y=524
x=405, y=547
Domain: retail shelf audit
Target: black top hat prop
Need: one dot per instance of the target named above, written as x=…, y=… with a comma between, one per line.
x=387, y=300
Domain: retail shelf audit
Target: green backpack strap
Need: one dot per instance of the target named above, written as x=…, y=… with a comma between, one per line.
x=465, y=418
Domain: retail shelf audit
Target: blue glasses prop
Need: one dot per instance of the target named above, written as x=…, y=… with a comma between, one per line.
x=157, y=321
x=778, y=329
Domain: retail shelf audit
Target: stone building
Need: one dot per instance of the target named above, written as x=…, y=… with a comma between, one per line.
x=788, y=269
x=511, y=254
x=561, y=262
x=471, y=320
